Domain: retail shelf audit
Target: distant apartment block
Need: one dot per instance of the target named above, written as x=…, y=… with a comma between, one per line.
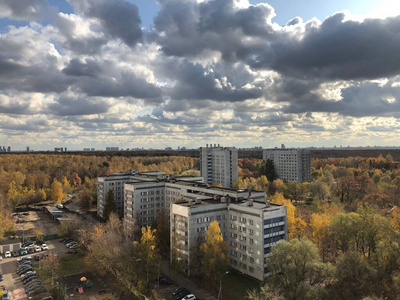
x=219, y=164
x=290, y=164
x=112, y=148
x=60, y=149
x=4, y=149
x=249, y=226
x=89, y=149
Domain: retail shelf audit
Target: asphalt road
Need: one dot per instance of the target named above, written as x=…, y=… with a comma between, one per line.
x=12, y=280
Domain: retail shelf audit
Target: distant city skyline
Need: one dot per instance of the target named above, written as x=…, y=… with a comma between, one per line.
x=143, y=73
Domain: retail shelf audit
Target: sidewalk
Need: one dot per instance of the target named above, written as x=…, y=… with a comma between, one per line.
x=185, y=282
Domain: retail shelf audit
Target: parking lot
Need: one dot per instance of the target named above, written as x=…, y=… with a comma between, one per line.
x=12, y=281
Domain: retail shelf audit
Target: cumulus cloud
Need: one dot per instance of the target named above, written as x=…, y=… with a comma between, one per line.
x=214, y=69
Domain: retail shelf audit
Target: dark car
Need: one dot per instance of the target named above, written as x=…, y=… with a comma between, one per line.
x=1, y=277
x=26, y=244
x=30, y=279
x=39, y=242
x=24, y=270
x=182, y=294
x=165, y=281
x=15, y=254
x=177, y=291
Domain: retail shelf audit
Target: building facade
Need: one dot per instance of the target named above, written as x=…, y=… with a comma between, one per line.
x=290, y=164
x=219, y=165
x=249, y=227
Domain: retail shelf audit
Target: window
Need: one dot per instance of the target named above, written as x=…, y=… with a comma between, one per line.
x=251, y=241
x=251, y=269
x=251, y=231
x=251, y=222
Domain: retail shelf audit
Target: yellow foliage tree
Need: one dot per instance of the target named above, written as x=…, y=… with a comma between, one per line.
x=57, y=193
x=215, y=260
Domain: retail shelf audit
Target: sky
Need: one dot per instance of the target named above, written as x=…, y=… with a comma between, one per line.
x=152, y=74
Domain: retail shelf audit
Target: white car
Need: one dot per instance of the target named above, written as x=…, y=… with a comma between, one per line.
x=44, y=247
x=1, y=257
x=7, y=254
x=189, y=297
x=38, y=249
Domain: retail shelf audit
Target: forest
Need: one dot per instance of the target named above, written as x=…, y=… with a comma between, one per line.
x=343, y=226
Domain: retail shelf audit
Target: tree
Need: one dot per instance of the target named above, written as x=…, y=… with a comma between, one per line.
x=297, y=271
x=146, y=250
x=110, y=206
x=163, y=237
x=56, y=191
x=76, y=180
x=215, y=261
x=268, y=169
x=51, y=266
x=85, y=200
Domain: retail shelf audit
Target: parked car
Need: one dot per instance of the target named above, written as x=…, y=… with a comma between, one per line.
x=64, y=239
x=37, y=248
x=30, y=278
x=165, y=281
x=24, y=271
x=1, y=277
x=28, y=274
x=5, y=296
x=15, y=254
x=182, y=294
x=177, y=291
x=74, y=246
x=72, y=251
x=39, y=242
x=45, y=247
x=68, y=241
x=23, y=251
x=24, y=258
x=27, y=243
x=7, y=254
x=31, y=250
x=60, y=206
x=1, y=257
x=189, y=297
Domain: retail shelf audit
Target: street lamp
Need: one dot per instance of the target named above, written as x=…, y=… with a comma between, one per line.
x=220, y=284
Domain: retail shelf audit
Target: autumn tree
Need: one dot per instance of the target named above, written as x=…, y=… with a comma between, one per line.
x=297, y=270
x=146, y=251
x=56, y=191
x=50, y=266
x=85, y=200
x=110, y=206
x=215, y=261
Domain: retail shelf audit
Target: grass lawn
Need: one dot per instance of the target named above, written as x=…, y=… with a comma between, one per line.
x=235, y=286
x=72, y=264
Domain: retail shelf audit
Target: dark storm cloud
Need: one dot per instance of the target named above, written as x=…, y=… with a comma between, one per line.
x=23, y=9
x=67, y=106
x=124, y=84
x=340, y=49
x=119, y=18
x=78, y=68
x=186, y=28
x=195, y=82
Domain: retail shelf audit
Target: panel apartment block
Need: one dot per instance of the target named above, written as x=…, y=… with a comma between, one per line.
x=116, y=182
x=219, y=165
x=249, y=227
x=290, y=164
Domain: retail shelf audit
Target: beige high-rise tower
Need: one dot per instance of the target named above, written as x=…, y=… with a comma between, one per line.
x=219, y=164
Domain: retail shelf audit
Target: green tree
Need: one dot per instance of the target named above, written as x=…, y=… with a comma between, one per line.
x=85, y=199
x=110, y=206
x=268, y=169
x=215, y=261
x=297, y=270
x=163, y=237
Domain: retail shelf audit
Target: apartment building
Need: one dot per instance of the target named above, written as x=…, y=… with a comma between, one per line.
x=249, y=227
x=116, y=182
x=290, y=164
x=219, y=164
x=147, y=193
